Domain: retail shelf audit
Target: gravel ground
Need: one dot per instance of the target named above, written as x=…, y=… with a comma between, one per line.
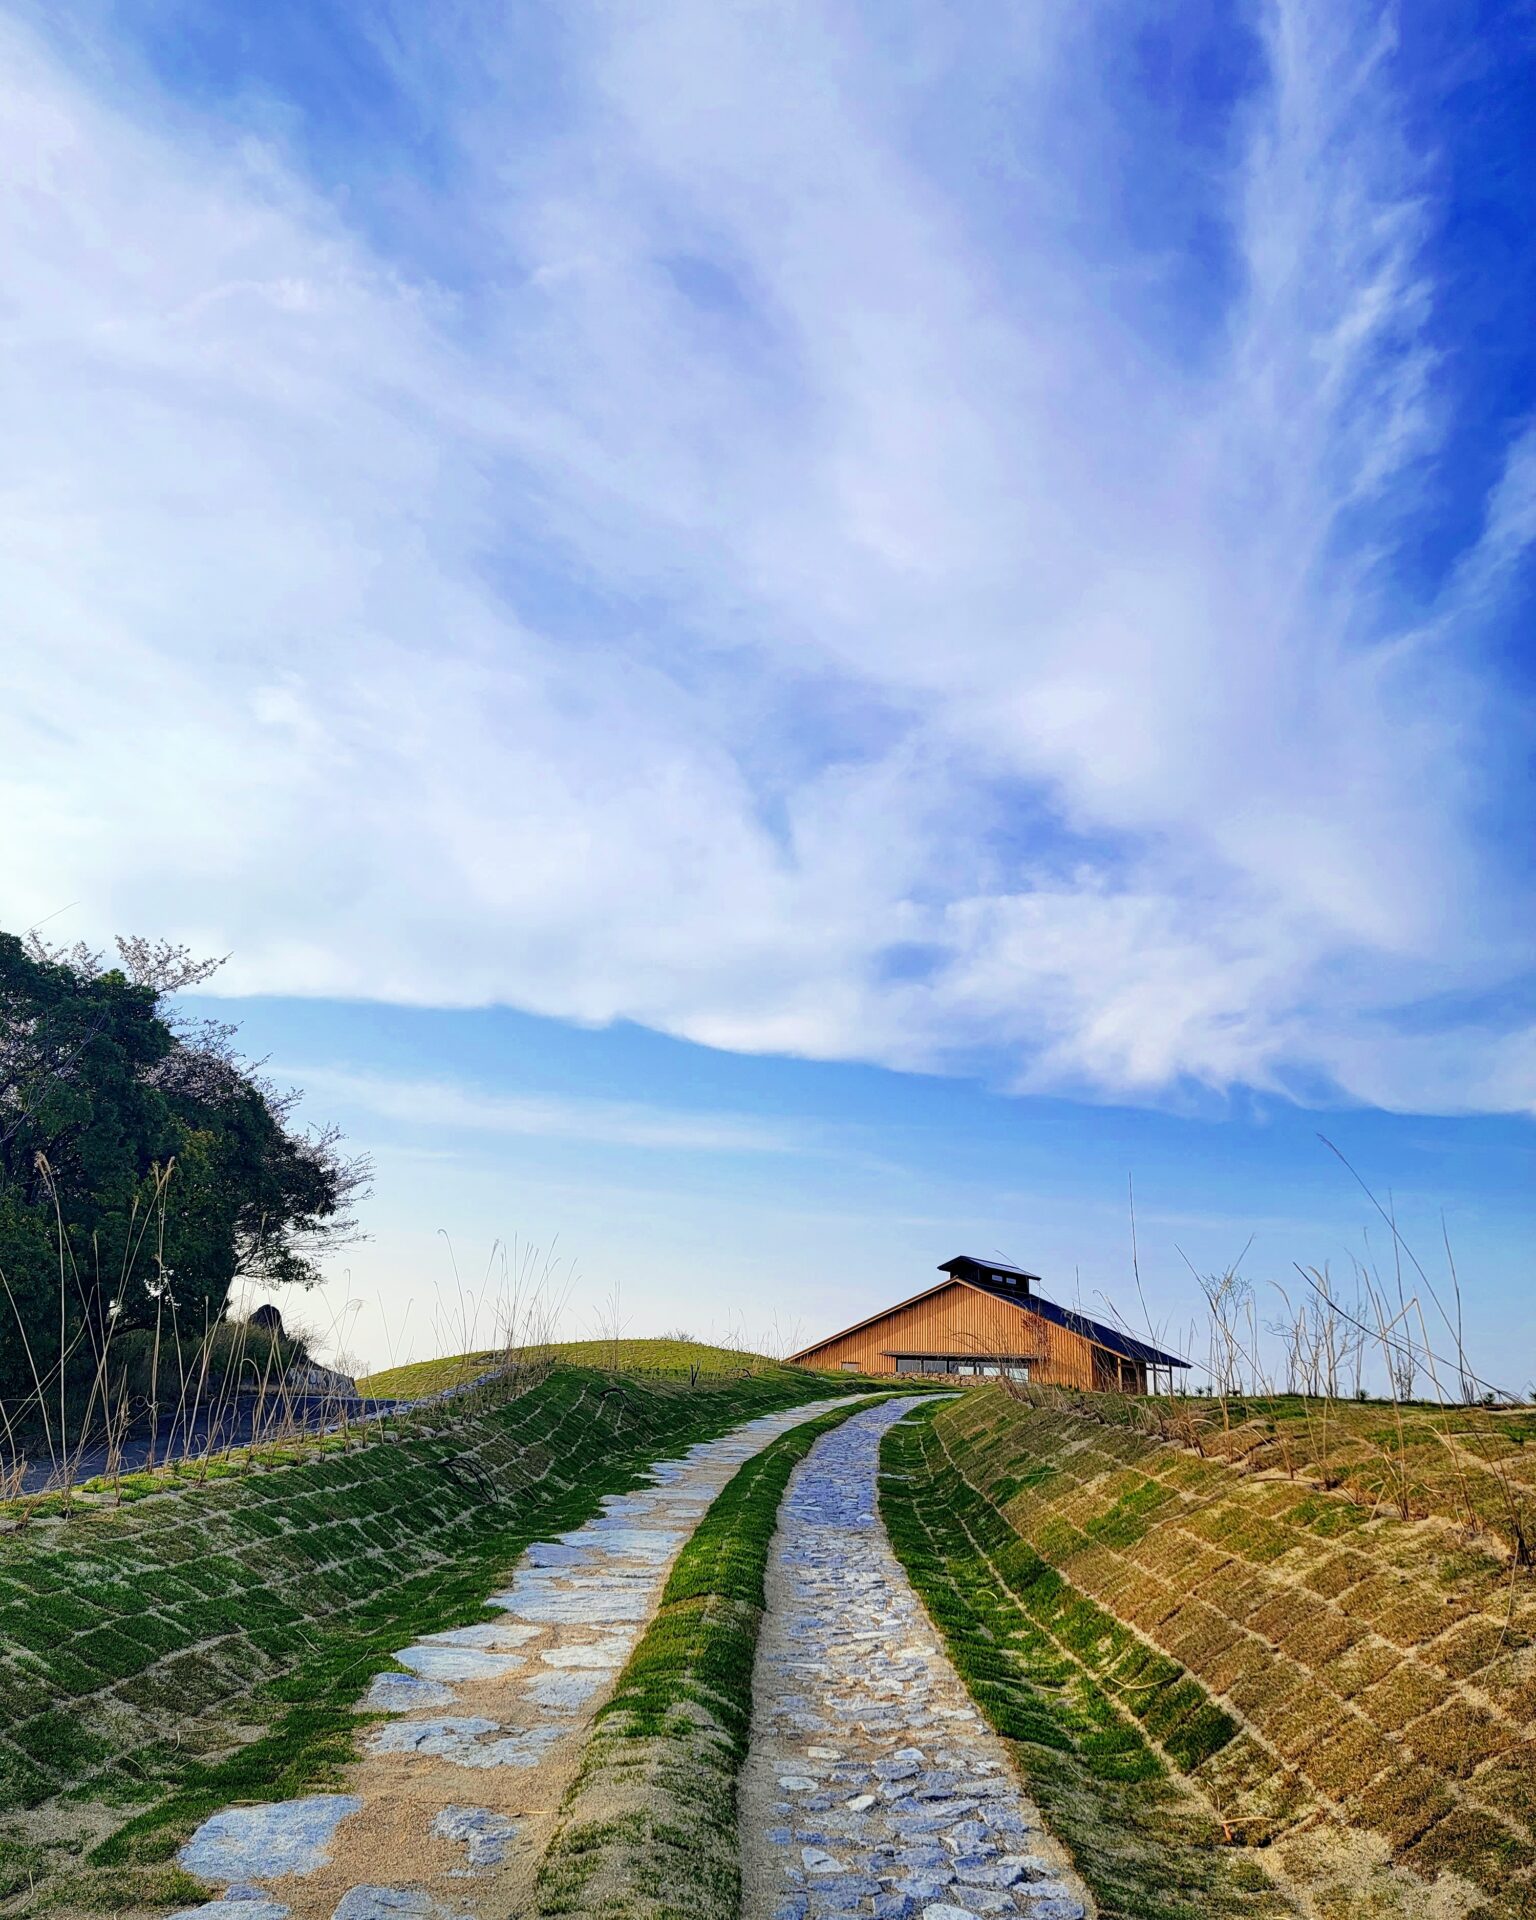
x=874, y=1788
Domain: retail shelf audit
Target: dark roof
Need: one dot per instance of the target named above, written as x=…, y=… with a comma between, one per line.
x=965, y=1266
x=1110, y=1338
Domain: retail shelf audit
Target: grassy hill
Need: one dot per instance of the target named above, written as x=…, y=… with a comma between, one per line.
x=645, y=1358
x=1327, y=1641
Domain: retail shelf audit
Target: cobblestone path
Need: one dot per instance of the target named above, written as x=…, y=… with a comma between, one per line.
x=874, y=1787
x=449, y=1809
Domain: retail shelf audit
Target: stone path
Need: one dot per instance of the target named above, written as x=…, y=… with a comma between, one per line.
x=874, y=1787
x=451, y=1806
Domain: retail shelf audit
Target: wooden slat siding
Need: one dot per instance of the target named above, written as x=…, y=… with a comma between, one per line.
x=1114, y=1374
x=959, y=1320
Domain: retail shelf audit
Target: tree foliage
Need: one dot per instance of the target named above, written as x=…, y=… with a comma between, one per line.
x=144, y=1165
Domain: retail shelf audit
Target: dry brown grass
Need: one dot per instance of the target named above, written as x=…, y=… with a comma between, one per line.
x=1473, y=1466
x=1383, y=1669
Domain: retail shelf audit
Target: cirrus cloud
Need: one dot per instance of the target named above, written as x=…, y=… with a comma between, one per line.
x=763, y=572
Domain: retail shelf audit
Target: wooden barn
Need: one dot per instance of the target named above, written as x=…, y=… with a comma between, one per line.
x=984, y=1319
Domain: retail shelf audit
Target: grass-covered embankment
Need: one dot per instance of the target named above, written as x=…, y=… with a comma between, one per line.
x=648, y=1830
x=1350, y=1691
x=1472, y=1466
x=207, y=1644
x=1146, y=1848
x=645, y=1359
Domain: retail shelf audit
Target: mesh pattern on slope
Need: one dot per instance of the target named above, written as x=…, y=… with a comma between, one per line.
x=1372, y=1669
x=134, y=1642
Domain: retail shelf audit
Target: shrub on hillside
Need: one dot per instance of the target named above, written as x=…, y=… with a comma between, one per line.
x=144, y=1165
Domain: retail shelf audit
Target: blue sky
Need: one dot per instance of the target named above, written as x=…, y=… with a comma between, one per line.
x=780, y=637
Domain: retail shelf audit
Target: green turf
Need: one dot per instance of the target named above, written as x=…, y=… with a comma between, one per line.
x=636, y=1358
x=208, y=1646
x=649, y=1828
x=1071, y=1694
x=421, y=1377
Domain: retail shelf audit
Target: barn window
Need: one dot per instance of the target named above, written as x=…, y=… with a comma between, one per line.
x=850, y=1366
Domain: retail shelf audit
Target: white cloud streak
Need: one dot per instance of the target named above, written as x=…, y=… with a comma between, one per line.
x=754, y=600
x=446, y=1106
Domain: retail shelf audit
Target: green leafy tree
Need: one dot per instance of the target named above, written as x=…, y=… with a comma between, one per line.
x=144, y=1165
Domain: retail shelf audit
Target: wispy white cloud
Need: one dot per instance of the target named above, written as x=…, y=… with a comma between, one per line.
x=436, y=1106
x=777, y=590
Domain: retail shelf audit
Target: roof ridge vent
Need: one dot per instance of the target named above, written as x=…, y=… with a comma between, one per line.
x=989, y=1273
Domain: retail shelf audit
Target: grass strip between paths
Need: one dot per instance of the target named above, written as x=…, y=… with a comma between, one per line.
x=649, y=1826
x=1146, y=1848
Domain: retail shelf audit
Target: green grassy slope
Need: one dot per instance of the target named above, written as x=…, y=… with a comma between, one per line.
x=207, y=1644
x=1472, y=1466
x=1147, y=1849
x=1352, y=1691
x=638, y=1357
x=419, y=1378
